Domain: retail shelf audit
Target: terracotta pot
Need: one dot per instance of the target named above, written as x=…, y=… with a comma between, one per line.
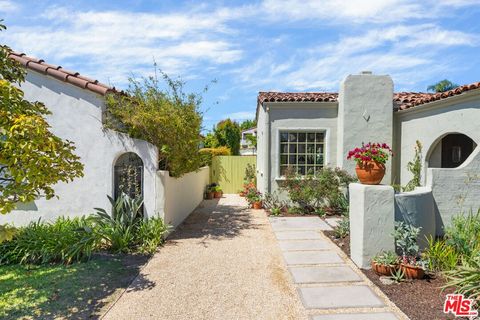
x=370, y=172
x=413, y=272
x=210, y=195
x=242, y=194
x=217, y=194
x=257, y=205
x=383, y=270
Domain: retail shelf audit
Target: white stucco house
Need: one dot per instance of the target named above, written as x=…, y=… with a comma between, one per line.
x=246, y=147
x=316, y=129
x=77, y=104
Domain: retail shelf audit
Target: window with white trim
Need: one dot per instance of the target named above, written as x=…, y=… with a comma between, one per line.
x=304, y=151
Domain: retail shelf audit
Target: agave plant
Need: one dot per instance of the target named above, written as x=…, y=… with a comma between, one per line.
x=119, y=228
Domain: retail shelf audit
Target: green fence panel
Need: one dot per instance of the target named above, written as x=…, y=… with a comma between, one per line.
x=229, y=171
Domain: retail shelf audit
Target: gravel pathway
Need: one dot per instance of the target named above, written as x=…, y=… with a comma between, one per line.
x=222, y=263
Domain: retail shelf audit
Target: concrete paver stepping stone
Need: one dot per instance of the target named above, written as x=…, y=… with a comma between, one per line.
x=333, y=221
x=295, y=245
x=336, y=297
x=357, y=316
x=319, y=274
x=311, y=257
x=297, y=235
x=299, y=223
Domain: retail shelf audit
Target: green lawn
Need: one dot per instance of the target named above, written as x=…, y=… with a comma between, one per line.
x=78, y=291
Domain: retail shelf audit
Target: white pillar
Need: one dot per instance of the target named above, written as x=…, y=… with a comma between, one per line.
x=365, y=114
x=372, y=215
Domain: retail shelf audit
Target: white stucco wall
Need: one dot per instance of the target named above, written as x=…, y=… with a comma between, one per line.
x=77, y=116
x=262, y=150
x=431, y=122
x=306, y=116
x=178, y=197
x=454, y=190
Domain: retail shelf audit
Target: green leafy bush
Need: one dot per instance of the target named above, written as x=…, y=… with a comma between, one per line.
x=440, y=256
x=464, y=234
x=150, y=234
x=65, y=241
x=322, y=189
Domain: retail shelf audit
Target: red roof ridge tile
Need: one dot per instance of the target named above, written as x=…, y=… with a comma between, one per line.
x=58, y=72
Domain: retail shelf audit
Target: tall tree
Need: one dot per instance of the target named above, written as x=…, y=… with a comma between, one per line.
x=248, y=124
x=442, y=86
x=32, y=158
x=228, y=134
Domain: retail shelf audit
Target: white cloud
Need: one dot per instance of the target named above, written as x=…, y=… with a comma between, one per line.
x=7, y=6
x=240, y=115
x=114, y=43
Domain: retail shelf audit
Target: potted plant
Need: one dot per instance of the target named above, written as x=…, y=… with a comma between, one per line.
x=385, y=263
x=370, y=159
x=217, y=192
x=406, y=240
x=254, y=198
x=210, y=192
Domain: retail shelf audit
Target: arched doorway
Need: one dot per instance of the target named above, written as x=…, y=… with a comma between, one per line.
x=451, y=151
x=128, y=175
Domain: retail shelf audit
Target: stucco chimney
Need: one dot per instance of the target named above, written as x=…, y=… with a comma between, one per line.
x=365, y=114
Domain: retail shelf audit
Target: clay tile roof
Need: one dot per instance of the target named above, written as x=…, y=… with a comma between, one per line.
x=401, y=100
x=406, y=100
x=62, y=74
x=297, y=97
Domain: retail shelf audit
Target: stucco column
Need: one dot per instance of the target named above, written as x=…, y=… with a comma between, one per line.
x=365, y=114
x=372, y=216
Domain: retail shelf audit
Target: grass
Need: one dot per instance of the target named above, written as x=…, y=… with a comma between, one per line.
x=77, y=291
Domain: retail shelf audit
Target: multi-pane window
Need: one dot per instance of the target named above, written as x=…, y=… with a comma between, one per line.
x=302, y=151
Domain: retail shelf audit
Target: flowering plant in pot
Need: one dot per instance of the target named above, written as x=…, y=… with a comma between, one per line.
x=370, y=159
x=254, y=198
x=209, y=192
x=406, y=240
x=385, y=263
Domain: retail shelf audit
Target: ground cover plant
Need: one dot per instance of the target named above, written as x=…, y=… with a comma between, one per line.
x=58, y=291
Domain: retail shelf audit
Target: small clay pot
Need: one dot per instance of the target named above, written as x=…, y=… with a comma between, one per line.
x=210, y=195
x=384, y=270
x=370, y=172
x=412, y=272
x=257, y=205
x=218, y=194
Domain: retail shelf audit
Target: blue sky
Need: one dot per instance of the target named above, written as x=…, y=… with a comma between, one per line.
x=251, y=46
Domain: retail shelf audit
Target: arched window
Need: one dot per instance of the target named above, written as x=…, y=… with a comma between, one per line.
x=128, y=175
x=451, y=151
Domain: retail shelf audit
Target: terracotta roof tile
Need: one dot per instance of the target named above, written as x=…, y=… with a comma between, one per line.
x=401, y=100
x=62, y=74
x=297, y=97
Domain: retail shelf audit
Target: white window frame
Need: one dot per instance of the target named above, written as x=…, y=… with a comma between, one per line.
x=326, y=144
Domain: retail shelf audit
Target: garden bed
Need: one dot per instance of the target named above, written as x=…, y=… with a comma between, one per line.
x=418, y=299
x=77, y=291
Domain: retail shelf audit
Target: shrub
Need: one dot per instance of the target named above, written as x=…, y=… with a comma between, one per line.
x=464, y=234
x=405, y=236
x=150, y=234
x=207, y=154
x=312, y=192
x=166, y=117
x=250, y=174
x=65, y=240
x=387, y=258
x=118, y=229
x=440, y=256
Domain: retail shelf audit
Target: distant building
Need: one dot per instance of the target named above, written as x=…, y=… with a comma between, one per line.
x=246, y=147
